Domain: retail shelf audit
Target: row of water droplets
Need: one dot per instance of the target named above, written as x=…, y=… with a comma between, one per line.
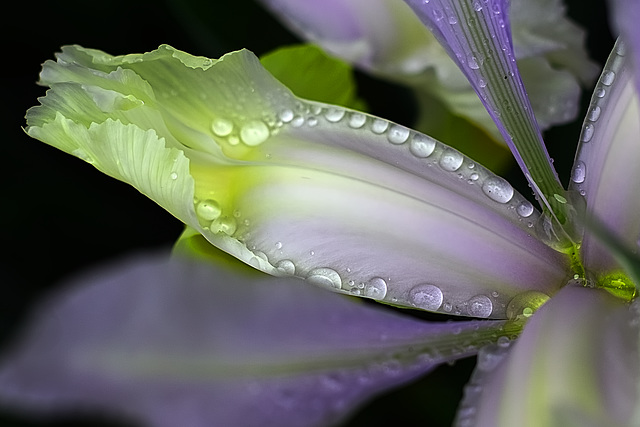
x=430, y=152
x=599, y=101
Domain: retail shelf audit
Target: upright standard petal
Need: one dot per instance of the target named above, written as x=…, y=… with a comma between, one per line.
x=172, y=343
x=576, y=361
x=605, y=170
x=355, y=203
x=477, y=36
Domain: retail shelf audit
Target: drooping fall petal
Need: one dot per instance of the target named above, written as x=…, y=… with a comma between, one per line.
x=346, y=200
x=168, y=342
x=576, y=363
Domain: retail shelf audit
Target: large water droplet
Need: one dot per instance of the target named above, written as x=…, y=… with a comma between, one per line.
x=428, y=297
x=398, y=134
x=497, y=189
x=379, y=126
x=286, y=266
x=208, y=210
x=472, y=61
x=480, y=306
x=594, y=113
x=525, y=209
x=608, y=77
x=376, y=288
x=224, y=224
x=421, y=145
x=579, y=173
x=221, y=127
x=451, y=160
x=587, y=132
x=525, y=304
x=334, y=115
x=286, y=116
x=325, y=277
x=357, y=120
x=254, y=133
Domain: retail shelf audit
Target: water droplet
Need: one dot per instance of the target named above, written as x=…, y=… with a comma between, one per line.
x=421, y=145
x=254, y=133
x=357, y=120
x=587, y=132
x=437, y=14
x=600, y=92
x=472, y=61
x=525, y=209
x=453, y=20
x=428, y=297
x=286, y=266
x=325, y=277
x=173, y=176
x=278, y=245
x=594, y=113
x=221, y=127
x=398, y=134
x=477, y=6
x=286, y=116
x=334, y=115
x=451, y=160
x=208, y=210
x=312, y=121
x=379, y=126
x=607, y=77
x=579, y=173
x=297, y=121
x=503, y=342
x=480, y=306
x=621, y=48
x=525, y=304
x=482, y=83
x=497, y=189
x=224, y=224
x=376, y=288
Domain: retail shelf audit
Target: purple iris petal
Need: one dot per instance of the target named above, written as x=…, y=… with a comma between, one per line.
x=626, y=14
x=478, y=38
x=172, y=343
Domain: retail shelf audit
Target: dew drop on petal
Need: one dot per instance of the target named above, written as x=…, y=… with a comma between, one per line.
x=254, y=133
x=525, y=304
x=472, y=61
x=208, y=210
x=334, y=115
x=607, y=77
x=398, y=134
x=426, y=296
x=325, y=277
x=221, y=127
x=376, y=288
x=579, y=173
x=480, y=306
x=357, y=120
x=421, y=145
x=497, y=189
x=594, y=113
x=451, y=160
x=525, y=209
x=379, y=126
x=224, y=224
x=286, y=266
x=286, y=116
x=587, y=132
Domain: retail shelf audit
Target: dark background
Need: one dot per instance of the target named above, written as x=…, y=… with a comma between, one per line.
x=59, y=215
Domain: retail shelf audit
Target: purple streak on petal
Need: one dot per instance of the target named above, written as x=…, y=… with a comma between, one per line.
x=625, y=18
x=174, y=343
x=477, y=36
x=605, y=170
x=577, y=355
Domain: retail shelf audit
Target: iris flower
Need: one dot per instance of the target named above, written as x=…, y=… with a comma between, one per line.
x=357, y=205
